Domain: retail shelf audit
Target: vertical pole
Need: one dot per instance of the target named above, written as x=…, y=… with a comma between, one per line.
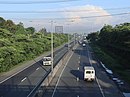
x=74, y=39
x=68, y=37
x=52, y=46
x=68, y=41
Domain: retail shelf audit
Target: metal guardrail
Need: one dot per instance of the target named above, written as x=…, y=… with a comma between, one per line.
x=33, y=92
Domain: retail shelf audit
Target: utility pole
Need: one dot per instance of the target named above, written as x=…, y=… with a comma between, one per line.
x=74, y=38
x=68, y=41
x=52, y=46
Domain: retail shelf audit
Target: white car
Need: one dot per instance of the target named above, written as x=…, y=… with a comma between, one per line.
x=47, y=61
x=89, y=73
x=84, y=45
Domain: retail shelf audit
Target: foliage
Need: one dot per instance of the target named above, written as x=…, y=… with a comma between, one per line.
x=18, y=44
x=93, y=36
x=30, y=30
x=115, y=40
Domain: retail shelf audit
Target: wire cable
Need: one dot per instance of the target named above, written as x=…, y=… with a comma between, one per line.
x=60, y=11
x=36, y=2
x=87, y=17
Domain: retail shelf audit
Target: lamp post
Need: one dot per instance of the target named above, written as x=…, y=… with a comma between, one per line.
x=52, y=46
x=68, y=32
x=68, y=36
x=68, y=41
x=74, y=38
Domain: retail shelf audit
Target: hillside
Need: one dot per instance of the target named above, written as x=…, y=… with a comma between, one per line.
x=19, y=44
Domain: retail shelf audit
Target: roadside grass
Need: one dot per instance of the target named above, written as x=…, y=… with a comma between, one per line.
x=111, y=61
x=22, y=63
x=125, y=75
x=31, y=58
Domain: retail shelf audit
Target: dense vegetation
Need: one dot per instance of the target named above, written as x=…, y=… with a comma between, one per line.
x=112, y=45
x=18, y=44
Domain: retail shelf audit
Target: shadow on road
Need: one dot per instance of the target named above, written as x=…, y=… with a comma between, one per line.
x=77, y=73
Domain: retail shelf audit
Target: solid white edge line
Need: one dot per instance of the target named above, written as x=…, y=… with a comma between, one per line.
x=100, y=87
x=101, y=90
x=60, y=76
x=89, y=57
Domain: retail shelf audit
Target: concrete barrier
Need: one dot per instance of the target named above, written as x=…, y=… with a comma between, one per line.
x=49, y=78
x=60, y=64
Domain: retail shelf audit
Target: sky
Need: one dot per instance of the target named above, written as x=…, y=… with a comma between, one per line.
x=74, y=15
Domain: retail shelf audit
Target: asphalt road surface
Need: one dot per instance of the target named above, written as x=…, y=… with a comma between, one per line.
x=68, y=82
x=24, y=82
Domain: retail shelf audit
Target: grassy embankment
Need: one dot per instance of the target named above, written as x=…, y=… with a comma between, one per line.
x=111, y=61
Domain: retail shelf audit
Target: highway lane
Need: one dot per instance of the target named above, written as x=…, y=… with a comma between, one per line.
x=69, y=82
x=22, y=83
x=106, y=85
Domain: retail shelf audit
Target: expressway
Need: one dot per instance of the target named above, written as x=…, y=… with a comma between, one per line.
x=68, y=82
x=21, y=84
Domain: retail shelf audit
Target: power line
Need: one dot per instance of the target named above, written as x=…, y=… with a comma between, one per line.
x=98, y=16
x=117, y=8
x=106, y=15
x=36, y=2
x=59, y=11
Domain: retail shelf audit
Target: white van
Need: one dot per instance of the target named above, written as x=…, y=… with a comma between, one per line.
x=47, y=61
x=84, y=44
x=89, y=73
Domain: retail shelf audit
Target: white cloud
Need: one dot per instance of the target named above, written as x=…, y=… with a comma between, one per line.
x=87, y=11
x=79, y=21
x=83, y=18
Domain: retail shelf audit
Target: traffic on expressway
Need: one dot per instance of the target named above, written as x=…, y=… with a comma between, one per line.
x=69, y=81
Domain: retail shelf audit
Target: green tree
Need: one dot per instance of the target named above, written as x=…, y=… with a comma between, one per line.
x=4, y=33
x=9, y=24
x=43, y=31
x=30, y=30
x=20, y=28
x=93, y=36
x=2, y=22
x=105, y=34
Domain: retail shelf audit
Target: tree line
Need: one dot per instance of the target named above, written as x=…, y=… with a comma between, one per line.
x=115, y=40
x=18, y=44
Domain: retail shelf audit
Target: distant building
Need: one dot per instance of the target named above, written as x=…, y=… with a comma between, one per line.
x=58, y=29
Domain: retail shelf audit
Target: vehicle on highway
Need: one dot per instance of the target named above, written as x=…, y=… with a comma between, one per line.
x=67, y=45
x=84, y=44
x=84, y=40
x=47, y=61
x=73, y=49
x=89, y=73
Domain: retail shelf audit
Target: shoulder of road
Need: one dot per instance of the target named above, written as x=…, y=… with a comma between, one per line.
x=6, y=75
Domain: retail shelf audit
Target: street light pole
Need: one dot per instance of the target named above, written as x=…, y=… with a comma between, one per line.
x=52, y=46
x=74, y=38
x=68, y=36
x=68, y=41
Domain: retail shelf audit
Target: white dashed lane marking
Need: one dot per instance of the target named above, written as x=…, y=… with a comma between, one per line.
x=23, y=79
x=37, y=68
